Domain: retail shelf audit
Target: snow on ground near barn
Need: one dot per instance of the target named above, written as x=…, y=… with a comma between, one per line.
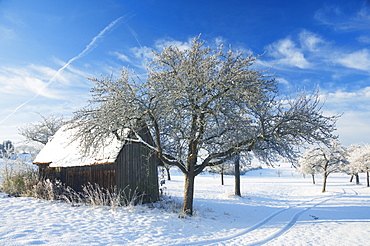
x=285, y=210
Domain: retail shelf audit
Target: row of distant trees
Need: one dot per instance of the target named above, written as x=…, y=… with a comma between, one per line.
x=336, y=158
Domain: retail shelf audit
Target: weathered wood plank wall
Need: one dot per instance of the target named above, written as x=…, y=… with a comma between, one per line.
x=76, y=177
x=137, y=170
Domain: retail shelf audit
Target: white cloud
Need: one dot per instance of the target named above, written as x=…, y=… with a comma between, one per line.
x=333, y=16
x=283, y=81
x=219, y=40
x=309, y=50
x=287, y=53
x=361, y=20
x=142, y=52
x=33, y=79
x=142, y=56
x=350, y=99
x=120, y=56
x=354, y=125
x=358, y=60
x=162, y=43
x=9, y=128
x=311, y=41
x=21, y=81
x=342, y=95
x=364, y=39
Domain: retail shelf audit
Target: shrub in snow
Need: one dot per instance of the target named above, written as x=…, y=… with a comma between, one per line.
x=91, y=194
x=48, y=190
x=17, y=176
x=97, y=196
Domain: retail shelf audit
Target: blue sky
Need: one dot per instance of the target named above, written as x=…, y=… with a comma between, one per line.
x=49, y=48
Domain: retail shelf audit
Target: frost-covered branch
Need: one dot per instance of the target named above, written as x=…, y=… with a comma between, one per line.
x=42, y=131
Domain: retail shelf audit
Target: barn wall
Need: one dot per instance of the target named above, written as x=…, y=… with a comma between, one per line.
x=103, y=175
x=45, y=172
x=76, y=177
x=137, y=170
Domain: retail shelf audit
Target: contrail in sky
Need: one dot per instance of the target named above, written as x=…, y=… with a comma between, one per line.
x=86, y=51
x=135, y=35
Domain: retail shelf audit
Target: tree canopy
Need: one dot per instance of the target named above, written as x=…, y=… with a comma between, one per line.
x=203, y=106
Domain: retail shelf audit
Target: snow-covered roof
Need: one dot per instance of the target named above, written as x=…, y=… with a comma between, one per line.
x=60, y=151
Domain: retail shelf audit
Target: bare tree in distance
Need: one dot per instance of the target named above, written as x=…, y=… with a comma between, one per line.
x=355, y=166
x=42, y=131
x=359, y=161
x=326, y=160
x=231, y=168
x=306, y=166
x=203, y=100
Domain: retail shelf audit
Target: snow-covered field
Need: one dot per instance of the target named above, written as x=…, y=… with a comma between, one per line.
x=285, y=210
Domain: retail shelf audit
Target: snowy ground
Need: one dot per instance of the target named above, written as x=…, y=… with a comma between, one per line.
x=286, y=210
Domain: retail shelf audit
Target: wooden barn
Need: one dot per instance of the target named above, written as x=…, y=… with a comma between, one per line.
x=128, y=166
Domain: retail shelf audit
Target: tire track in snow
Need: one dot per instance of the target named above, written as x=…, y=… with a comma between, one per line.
x=263, y=222
x=356, y=193
x=255, y=227
x=292, y=222
x=345, y=192
x=289, y=224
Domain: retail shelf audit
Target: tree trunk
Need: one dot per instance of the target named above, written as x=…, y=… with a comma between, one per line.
x=237, y=175
x=351, y=179
x=324, y=183
x=367, y=177
x=168, y=172
x=187, y=207
x=357, y=178
x=222, y=176
x=313, y=179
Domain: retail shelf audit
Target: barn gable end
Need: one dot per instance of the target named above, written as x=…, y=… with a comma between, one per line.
x=137, y=167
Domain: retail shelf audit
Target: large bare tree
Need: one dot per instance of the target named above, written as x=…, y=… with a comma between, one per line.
x=202, y=106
